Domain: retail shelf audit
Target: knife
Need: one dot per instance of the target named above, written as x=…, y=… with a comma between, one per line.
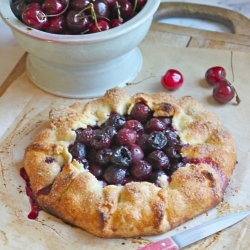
x=197, y=233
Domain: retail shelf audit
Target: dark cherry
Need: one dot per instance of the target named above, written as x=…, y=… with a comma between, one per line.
x=114, y=175
x=142, y=141
x=79, y=4
x=54, y=7
x=156, y=140
x=100, y=25
x=174, y=166
x=96, y=170
x=111, y=131
x=115, y=23
x=34, y=4
x=155, y=124
x=171, y=135
x=56, y=25
x=141, y=170
x=134, y=125
x=126, y=9
x=215, y=74
x=100, y=141
x=126, y=137
x=101, y=8
x=223, y=92
x=155, y=176
x=116, y=120
x=159, y=160
x=77, y=150
x=121, y=157
x=136, y=153
x=84, y=135
x=172, y=153
x=78, y=21
x=103, y=156
x=111, y=2
x=141, y=112
x=91, y=155
x=33, y=1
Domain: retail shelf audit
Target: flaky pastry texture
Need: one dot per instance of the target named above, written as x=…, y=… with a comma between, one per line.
x=65, y=189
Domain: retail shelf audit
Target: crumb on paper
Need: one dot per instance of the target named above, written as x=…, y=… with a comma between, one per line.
x=140, y=240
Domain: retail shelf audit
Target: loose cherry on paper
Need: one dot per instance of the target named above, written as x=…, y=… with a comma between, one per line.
x=215, y=74
x=172, y=79
x=223, y=92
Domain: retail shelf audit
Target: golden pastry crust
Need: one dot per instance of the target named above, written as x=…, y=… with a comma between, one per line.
x=65, y=189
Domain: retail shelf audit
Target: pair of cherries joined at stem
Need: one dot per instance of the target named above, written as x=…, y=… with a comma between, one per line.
x=223, y=90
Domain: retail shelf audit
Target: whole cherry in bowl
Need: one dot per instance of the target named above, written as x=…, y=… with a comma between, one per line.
x=80, y=48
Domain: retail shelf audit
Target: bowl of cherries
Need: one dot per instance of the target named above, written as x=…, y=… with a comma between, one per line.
x=80, y=48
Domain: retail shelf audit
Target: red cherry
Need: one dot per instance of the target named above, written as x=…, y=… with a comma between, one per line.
x=172, y=79
x=115, y=23
x=126, y=137
x=137, y=153
x=56, y=25
x=35, y=18
x=223, y=92
x=100, y=25
x=54, y=7
x=215, y=75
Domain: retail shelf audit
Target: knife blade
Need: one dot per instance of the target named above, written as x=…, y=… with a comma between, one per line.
x=197, y=233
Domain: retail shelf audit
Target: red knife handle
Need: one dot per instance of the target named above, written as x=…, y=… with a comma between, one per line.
x=166, y=244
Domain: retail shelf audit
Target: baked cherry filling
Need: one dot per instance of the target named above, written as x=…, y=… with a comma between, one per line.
x=135, y=147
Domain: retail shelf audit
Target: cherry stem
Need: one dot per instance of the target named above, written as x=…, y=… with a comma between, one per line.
x=22, y=4
x=118, y=11
x=134, y=83
x=94, y=16
x=135, y=5
x=61, y=11
x=237, y=96
x=88, y=7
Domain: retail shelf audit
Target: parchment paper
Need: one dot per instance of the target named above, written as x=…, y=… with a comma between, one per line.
x=24, y=111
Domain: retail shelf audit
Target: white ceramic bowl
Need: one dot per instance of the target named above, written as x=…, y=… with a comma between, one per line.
x=82, y=66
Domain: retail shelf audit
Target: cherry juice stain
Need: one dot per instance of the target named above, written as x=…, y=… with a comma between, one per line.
x=34, y=206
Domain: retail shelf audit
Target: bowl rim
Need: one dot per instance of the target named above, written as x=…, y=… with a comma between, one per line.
x=16, y=25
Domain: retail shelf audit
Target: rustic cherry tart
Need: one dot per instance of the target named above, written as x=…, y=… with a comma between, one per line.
x=125, y=166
